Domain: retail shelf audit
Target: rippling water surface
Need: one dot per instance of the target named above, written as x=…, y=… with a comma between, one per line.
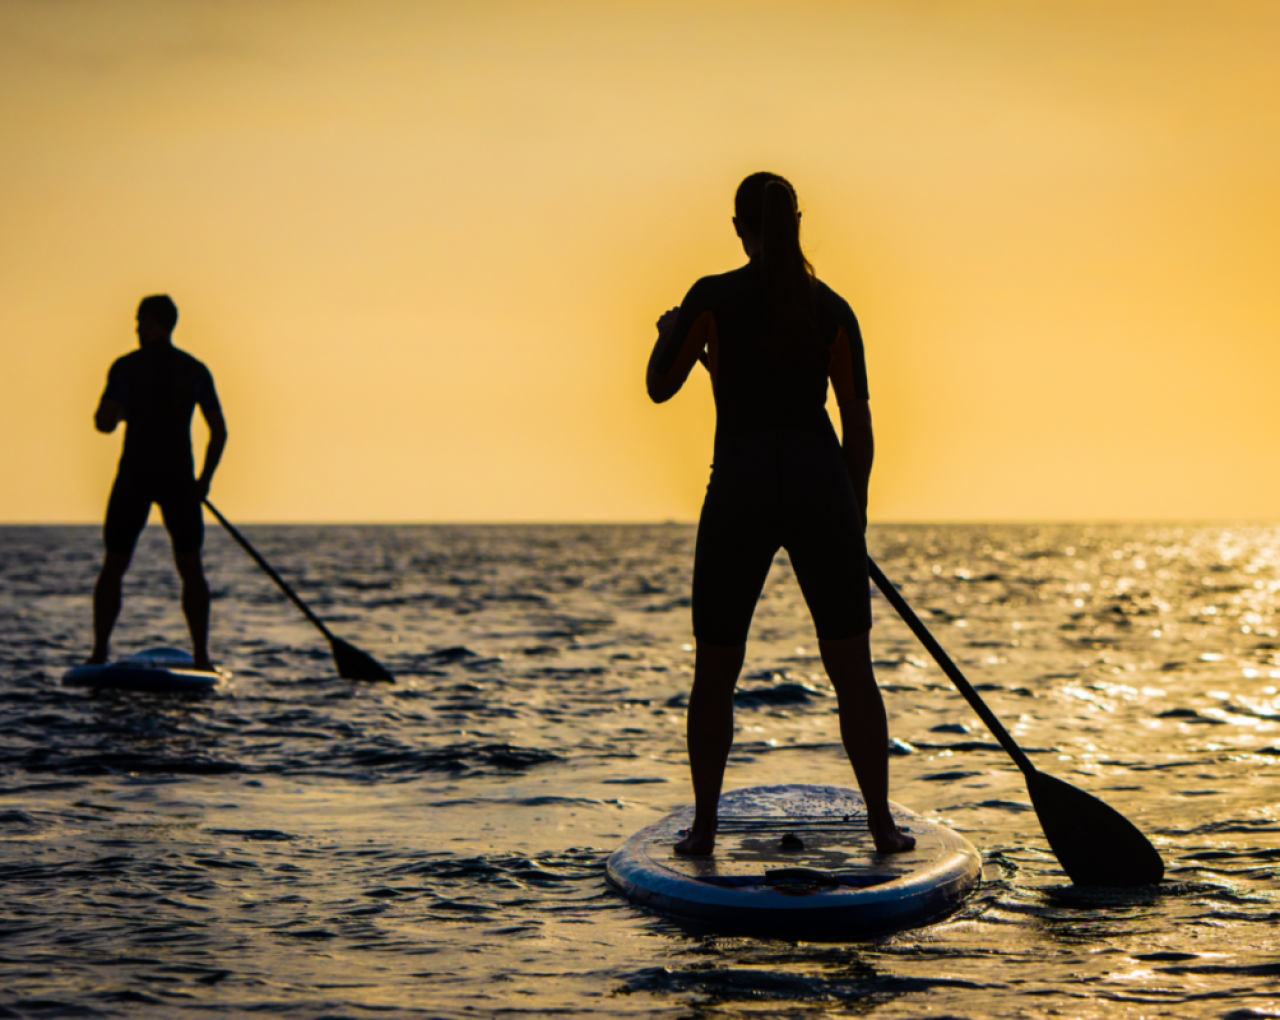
x=301, y=846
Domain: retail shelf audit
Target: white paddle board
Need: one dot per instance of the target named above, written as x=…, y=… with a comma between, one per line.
x=155, y=671
x=798, y=862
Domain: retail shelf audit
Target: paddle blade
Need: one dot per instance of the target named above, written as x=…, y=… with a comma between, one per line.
x=353, y=664
x=1094, y=843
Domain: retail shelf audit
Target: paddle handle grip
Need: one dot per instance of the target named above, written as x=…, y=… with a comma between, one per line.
x=950, y=668
x=280, y=581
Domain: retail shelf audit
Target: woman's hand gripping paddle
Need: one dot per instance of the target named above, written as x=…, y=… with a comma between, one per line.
x=352, y=663
x=1094, y=843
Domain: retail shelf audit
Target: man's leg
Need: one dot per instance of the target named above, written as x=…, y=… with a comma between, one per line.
x=864, y=729
x=106, y=603
x=710, y=736
x=195, y=605
x=184, y=520
x=127, y=510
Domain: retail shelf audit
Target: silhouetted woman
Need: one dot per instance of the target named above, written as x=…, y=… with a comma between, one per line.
x=771, y=335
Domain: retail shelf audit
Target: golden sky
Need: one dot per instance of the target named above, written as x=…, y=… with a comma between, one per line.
x=422, y=245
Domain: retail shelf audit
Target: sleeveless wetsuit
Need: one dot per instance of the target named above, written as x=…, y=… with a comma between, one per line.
x=159, y=387
x=778, y=479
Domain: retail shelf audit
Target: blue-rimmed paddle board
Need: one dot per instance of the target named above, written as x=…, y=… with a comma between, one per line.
x=798, y=862
x=155, y=671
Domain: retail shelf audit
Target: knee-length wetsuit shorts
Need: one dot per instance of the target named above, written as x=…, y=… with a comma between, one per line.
x=788, y=489
x=130, y=505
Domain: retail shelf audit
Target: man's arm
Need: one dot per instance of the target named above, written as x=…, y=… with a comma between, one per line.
x=212, y=412
x=108, y=415
x=112, y=407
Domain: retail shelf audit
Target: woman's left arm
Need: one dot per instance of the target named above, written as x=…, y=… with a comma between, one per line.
x=859, y=448
x=848, y=374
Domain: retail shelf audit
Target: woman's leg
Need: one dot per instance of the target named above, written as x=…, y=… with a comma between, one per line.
x=824, y=537
x=710, y=736
x=735, y=548
x=864, y=729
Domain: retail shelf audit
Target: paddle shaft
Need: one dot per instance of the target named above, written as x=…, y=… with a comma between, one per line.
x=280, y=581
x=953, y=672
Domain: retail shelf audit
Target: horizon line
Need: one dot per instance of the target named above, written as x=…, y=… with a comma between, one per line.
x=674, y=522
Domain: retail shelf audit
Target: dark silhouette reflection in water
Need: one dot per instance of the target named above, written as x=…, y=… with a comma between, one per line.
x=155, y=391
x=729, y=972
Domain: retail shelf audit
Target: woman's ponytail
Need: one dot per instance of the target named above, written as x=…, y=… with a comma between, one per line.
x=766, y=205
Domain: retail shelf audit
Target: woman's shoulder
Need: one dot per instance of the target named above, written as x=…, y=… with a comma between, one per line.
x=734, y=277
x=830, y=302
x=719, y=286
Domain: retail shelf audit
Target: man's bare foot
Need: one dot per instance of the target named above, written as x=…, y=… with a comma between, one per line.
x=96, y=659
x=890, y=839
x=205, y=665
x=696, y=843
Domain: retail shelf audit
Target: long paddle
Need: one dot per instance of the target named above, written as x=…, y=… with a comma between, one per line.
x=352, y=663
x=1094, y=843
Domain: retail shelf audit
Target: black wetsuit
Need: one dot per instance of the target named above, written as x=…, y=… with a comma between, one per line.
x=159, y=387
x=779, y=478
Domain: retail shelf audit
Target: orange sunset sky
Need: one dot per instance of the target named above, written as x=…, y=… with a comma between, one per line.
x=422, y=245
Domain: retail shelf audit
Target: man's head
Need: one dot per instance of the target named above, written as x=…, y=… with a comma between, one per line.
x=157, y=315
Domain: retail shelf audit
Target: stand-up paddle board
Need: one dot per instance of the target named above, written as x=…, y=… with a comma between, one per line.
x=798, y=862
x=156, y=671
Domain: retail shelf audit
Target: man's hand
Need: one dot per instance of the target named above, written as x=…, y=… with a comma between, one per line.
x=667, y=321
x=213, y=452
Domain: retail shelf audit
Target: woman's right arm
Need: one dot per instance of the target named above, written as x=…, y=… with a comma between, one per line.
x=686, y=335
x=658, y=383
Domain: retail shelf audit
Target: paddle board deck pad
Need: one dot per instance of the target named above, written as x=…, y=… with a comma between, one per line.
x=155, y=671
x=798, y=862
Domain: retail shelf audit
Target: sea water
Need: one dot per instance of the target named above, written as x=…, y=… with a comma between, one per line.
x=298, y=845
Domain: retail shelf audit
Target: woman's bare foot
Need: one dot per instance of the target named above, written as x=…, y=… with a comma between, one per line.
x=889, y=838
x=696, y=843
